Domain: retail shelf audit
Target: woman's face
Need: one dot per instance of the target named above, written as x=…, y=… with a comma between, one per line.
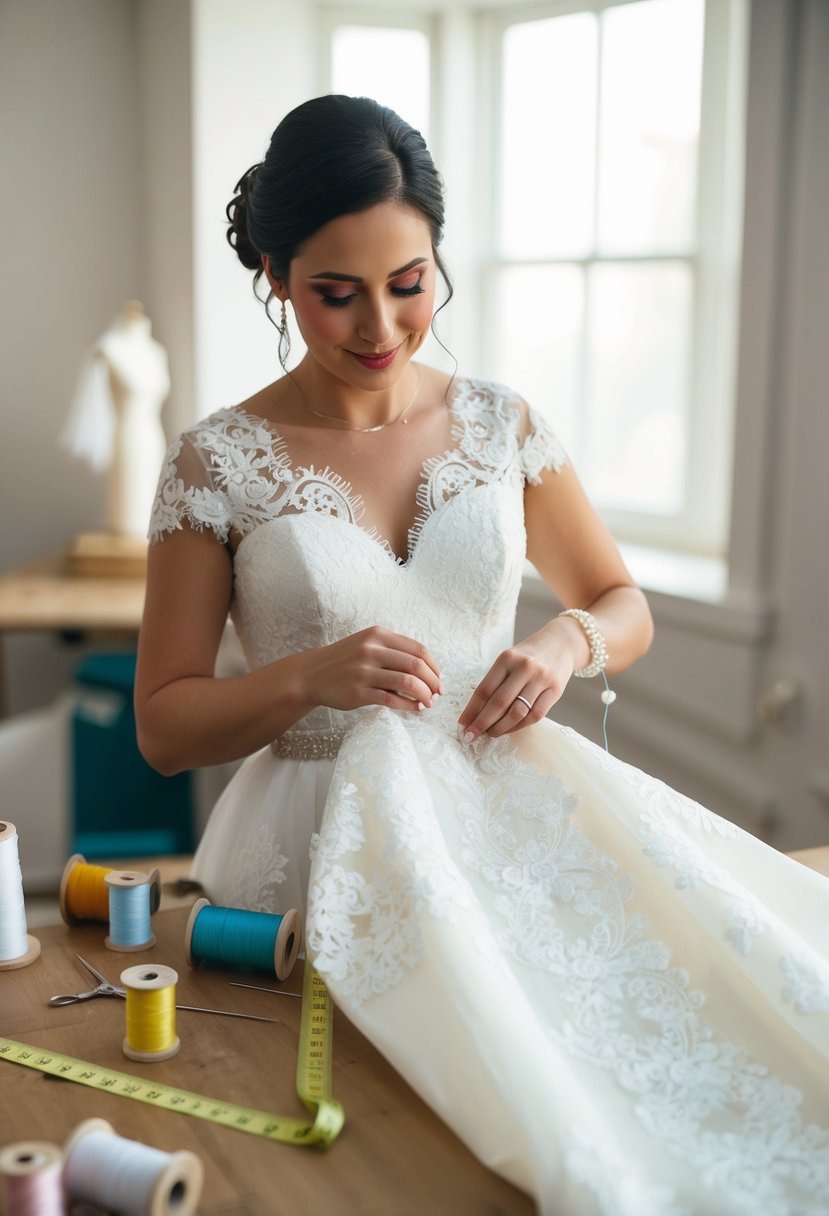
x=363, y=291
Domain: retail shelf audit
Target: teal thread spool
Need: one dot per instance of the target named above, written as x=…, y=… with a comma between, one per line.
x=234, y=937
x=129, y=911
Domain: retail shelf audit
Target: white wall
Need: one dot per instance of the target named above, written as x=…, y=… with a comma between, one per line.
x=69, y=219
x=251, y=57
x=124, y=125
x=70, y=222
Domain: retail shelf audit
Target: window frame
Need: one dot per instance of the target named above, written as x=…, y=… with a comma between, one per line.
x=332, y=15
x=702, y=526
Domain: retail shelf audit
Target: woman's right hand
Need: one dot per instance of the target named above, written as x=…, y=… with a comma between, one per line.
x=372, y=667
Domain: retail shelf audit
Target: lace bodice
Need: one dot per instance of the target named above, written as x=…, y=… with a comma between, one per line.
x=306, y=573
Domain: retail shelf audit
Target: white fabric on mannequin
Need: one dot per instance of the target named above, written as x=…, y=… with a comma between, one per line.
x=115, y=419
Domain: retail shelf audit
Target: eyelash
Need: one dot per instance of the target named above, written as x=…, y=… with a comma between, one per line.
x=341, y=301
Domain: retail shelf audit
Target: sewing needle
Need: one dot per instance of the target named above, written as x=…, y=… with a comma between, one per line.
x=273, y=991
x=227, y=1013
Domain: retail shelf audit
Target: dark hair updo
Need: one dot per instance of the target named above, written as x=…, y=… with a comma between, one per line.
x=331, y=156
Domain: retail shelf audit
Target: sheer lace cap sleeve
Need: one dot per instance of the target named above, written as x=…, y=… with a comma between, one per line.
x=541, y=449
x=187, y=495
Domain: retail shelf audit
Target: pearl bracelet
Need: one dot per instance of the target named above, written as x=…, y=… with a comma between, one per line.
x=598, y=646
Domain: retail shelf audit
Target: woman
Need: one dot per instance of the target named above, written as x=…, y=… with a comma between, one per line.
x=618, y=1000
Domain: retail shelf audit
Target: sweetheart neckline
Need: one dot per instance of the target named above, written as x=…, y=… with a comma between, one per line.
x=377, y=541
x=356, y=503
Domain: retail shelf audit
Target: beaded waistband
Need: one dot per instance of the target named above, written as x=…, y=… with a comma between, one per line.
x=308, y=744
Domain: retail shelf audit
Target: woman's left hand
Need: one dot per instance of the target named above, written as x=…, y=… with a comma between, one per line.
x=524, y=682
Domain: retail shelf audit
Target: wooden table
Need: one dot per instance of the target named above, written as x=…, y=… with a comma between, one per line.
x=43, y=596
x=393, y=1158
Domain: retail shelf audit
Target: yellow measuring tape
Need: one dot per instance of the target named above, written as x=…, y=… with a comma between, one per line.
x=313, y=1080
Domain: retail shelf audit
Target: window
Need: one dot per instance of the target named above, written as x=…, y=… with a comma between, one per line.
x=384, y=55
x=613, y=250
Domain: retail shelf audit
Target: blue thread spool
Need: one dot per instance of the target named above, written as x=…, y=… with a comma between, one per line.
x=235, y=937
x=129, y=911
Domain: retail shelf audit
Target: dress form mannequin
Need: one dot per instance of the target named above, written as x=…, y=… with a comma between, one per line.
x=139, y=382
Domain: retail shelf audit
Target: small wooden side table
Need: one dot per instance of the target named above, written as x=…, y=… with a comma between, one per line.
x=44, y=596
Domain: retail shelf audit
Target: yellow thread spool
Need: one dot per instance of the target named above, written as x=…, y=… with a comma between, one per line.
x=151, y=1013
x=84, y=894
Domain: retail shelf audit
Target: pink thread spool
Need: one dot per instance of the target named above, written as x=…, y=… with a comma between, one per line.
x=32, y=1182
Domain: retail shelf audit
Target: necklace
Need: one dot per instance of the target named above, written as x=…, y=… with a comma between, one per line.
x=365, y=430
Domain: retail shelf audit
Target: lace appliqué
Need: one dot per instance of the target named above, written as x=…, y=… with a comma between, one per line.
x=486, y=429
x=202, y=507
x=744, y=921
x=252, y=480
x=617, y=1184
x=363, y=930
x=807, y=984
x=632, y=1013
x=258, y=872
x=667, y=844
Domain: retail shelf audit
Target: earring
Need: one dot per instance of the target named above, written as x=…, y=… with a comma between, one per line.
x=284, y=345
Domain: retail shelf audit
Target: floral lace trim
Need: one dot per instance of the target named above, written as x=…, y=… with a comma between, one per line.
x=807, y=983
x=485, y=427
x=623, y=1008
x=683, y=1078
x=258, y=872
x=253, y=480
x=665, y=844
x=368, y=951
x=616, y=1181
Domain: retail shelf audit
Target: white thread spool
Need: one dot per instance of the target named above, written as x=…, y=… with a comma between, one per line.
x=126, y=1176
x=32, y=1184
x=17, y=947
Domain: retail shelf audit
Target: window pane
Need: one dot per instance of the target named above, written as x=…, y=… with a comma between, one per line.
x=548, y=119
x=539, y=326
x=651, y=82
x=389, y=64
x=638, y=330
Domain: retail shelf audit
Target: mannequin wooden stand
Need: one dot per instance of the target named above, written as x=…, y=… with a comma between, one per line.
x=106, y=555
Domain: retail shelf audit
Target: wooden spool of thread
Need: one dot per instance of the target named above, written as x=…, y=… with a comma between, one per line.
x=151, y=1012
x=238, y=938
x=129, y=911
x=84, y=894
x=119, y=1175
x=32, y=1184
x=17, y=947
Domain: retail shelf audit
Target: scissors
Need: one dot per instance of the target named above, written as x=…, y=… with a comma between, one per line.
x=104, y=988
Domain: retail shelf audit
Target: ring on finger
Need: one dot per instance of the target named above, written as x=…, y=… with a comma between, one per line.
x=524, y=701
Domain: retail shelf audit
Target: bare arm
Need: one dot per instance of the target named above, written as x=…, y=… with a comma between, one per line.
x=577, y=557
x=186, y=717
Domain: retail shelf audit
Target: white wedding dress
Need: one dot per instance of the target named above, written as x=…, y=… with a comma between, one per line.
x=617, y=999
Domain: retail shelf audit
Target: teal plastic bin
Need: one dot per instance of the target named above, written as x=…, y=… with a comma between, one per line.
x=121, y=806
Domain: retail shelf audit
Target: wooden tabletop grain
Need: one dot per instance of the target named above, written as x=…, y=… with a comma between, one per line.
x=394, y=1157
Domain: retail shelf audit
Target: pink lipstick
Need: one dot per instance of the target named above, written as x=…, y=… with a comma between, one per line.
x=377, y=362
